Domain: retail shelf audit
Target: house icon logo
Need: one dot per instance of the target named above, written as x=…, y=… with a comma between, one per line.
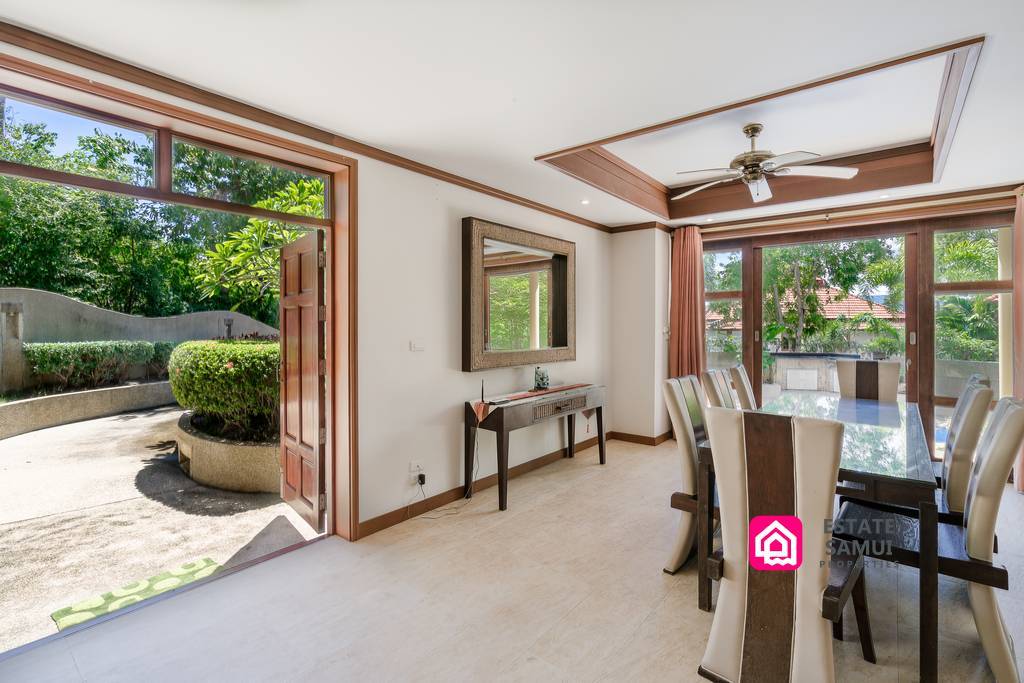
x=776, y=543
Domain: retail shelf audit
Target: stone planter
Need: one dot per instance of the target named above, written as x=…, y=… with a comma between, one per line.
x=18, y=417
x=231, y=465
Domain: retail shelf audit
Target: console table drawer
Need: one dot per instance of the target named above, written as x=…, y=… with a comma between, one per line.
x=565, y=405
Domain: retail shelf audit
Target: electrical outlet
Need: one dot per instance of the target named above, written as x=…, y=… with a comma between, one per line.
x=415, y=472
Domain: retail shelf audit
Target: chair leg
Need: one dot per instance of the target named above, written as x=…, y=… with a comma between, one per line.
x=995, y=638
x=860, y=608
x=681, y=549
x=837, y=628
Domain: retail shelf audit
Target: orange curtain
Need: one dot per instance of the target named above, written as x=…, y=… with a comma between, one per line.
x=1018, y=320
x=686, y=316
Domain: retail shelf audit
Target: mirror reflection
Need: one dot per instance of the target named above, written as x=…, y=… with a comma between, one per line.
x=517, y=297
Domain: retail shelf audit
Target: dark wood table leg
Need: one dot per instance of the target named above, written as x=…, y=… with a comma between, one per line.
x=570, y=426
x=502, y=439
x=705, y=531
x=929, y=592
x=600, y=433
x=470, y=448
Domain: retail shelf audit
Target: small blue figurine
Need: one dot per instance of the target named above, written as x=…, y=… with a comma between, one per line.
x=540, y=379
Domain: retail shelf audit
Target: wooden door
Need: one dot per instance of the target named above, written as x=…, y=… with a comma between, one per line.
x=303, y=433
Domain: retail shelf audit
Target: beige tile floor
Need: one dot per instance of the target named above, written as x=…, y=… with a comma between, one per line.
x=565, y=585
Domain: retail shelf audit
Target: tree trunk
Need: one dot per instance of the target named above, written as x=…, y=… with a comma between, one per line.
x=801, y=313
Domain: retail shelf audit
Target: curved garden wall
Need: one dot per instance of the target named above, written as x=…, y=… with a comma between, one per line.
x=49, y=317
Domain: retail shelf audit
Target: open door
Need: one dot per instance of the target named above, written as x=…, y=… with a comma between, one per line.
x=303, y=434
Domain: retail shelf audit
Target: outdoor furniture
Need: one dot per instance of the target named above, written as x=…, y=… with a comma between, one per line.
x=772, y=625
x=885, y=458
x=718, y=387
x=966, y=546
x=877, y=380
x=741, y=385
x=685, y=401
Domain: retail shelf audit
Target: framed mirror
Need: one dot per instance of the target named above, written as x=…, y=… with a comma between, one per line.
x=518, y=297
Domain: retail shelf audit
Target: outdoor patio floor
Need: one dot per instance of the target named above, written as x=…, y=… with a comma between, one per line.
x=88, y=507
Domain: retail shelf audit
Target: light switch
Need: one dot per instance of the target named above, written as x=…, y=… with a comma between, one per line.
x=416, y=344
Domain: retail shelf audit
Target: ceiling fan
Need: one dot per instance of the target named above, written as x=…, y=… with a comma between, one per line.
x=754, y=167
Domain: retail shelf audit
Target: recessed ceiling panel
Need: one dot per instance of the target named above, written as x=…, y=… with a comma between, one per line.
x=881, y=109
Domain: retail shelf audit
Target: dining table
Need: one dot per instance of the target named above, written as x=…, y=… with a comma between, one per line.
x=885, y=458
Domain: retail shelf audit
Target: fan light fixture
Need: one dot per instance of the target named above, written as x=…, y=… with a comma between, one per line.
x=754, y=167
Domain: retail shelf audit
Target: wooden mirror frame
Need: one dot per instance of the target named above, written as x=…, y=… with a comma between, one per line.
x=474, y=356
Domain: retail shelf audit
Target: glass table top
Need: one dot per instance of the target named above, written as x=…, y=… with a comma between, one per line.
x=880, y=439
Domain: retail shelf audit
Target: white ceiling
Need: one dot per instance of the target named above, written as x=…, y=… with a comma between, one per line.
x=479, y=89
x=881, y=109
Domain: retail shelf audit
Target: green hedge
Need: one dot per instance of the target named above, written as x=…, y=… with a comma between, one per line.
x=157, y=366
x=86, y=364
x=230, y=385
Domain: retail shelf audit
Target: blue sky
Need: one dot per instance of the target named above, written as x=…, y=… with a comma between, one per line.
x=67, y=126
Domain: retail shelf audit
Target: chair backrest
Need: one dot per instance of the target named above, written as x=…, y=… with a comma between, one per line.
x=685, y=401
x=741, y=384
x=997, y=451
x=877, y=380
x=772, y=465
x=979, y=378
x=718, y=387
x=961, y=440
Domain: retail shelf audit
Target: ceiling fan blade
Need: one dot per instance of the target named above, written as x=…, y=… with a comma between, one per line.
x=760, y=191
x=787, y=159
x=841, y=172
x=699, y=188
x=706, y=171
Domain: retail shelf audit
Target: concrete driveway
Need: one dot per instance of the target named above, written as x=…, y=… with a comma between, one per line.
x=91, y=506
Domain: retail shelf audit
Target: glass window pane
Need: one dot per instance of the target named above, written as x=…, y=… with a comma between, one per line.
x=39, y=135
x=723, y=334
x=516, y=304
x=973, y=335
x=826, y=301
x=206, y=172
x=973, y=255
x=723, y=271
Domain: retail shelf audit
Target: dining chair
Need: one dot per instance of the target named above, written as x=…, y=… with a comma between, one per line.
x=966, y=542
x=718, y=388
x=774, y=625
x=877, y=380
x=685, y=401
x=961, y=440
x=741, y=384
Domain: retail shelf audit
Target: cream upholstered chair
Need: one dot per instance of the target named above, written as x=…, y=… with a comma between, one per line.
x=966, y=543
x=961, y=440
x=792, y=472
x=741, y=385
x=685, y=401
x=878, y=380
x=718, y=387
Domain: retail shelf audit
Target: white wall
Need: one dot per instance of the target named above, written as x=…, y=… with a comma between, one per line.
x=411, y=403
x=638, y=347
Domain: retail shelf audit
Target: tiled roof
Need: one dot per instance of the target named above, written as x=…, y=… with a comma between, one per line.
x=835, y=305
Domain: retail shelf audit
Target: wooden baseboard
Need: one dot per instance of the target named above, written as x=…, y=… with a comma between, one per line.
x=388, y=519
x=637, y=438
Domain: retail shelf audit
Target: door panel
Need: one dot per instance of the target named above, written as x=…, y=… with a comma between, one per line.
x=302, y=384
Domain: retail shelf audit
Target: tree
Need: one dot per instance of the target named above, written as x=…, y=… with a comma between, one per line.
x=247, y=263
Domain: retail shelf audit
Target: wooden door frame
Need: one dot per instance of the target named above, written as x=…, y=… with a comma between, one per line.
x=919, y=298
x=340, y=232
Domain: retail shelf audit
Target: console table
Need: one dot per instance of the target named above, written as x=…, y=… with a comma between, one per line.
x=504, y=414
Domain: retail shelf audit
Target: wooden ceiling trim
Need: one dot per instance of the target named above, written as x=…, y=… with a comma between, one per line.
x=968, y=43
x=996, y=204
x=652, y=225
x=956, y=81
x=897, y=167
x=82, y=57
x=601, y=170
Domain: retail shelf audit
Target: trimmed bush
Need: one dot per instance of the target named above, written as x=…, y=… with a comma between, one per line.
x=86, y=364
x=230, y=385
x=157, y=366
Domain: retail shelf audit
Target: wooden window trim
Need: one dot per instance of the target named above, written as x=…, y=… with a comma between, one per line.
x=975, y=287
x=716, y=296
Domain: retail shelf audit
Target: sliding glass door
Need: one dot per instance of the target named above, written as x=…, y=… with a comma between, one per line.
x=828, y=300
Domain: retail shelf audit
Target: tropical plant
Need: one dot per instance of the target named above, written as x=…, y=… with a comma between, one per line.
x=85, y=364
x=230, y=385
